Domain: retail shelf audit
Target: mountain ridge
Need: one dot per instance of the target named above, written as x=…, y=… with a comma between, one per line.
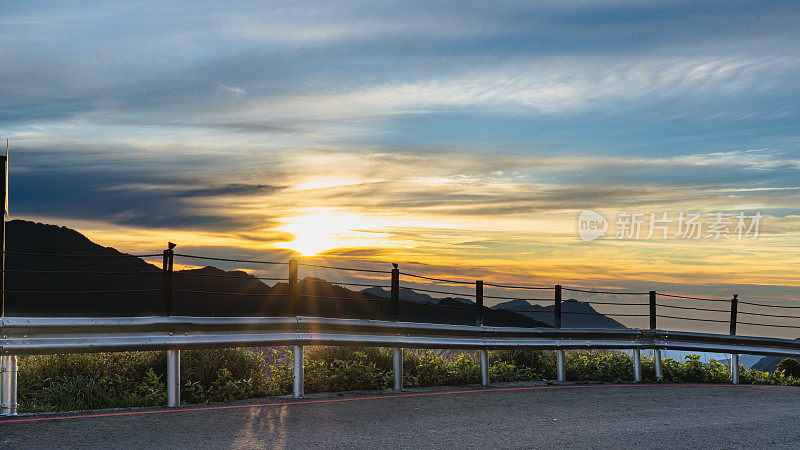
x=209, y=291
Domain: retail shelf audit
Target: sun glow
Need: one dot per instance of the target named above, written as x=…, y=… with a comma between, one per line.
x=322, y=229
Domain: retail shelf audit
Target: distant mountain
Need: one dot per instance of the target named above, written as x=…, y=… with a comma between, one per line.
x=770, y=363
x=584, y=315
x=35, y=285
x=748, y=361
x=411, y=295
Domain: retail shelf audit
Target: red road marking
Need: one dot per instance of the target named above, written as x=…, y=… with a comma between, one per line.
x=374, y=397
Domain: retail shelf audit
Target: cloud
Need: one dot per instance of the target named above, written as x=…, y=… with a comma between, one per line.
x=235, y=92
x=477, y=130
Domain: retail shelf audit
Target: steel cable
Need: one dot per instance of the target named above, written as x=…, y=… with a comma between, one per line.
x=229, y=260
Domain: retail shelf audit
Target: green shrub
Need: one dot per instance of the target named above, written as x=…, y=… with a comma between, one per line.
x=790, y=367
x=133, y=379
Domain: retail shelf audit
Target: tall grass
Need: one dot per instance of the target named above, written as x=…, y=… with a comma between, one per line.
x=111, y=380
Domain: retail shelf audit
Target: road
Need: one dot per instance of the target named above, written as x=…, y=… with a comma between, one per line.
x=506, y=416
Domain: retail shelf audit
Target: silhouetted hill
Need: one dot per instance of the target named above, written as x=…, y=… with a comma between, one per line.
x=35, y=286
x=587, y=316
x=27, y=273
x=770, y=363
x=460, y=310
x=411, y=295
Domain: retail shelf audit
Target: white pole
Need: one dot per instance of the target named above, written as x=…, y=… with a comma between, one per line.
x=734, y=368
x=484, y=357
x=657, y=361
x=8, y=385
x=560, y=362
x=637, y=365
x=173, y=378
x=397, y=367
x=297, y=384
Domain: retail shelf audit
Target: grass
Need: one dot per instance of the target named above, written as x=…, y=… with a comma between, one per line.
x=132, y=379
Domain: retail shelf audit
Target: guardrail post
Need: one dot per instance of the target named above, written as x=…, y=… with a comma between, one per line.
x=561, y=368
x=734, y=356
x=293, y=303
x=166, y=267
x=8, y=385
x=397, y=352
x=484, y=357
x=557, y=309
x=397, y=368
x=637, y=365
x=173, y=378
x=657, y=363
x=297, y=373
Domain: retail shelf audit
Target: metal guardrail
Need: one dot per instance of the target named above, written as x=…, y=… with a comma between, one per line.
x=31, y=336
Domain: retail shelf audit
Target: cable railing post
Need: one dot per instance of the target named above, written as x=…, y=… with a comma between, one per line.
x=173, y=378
x=557, y=309
x=656, y=351
x=293, y=302
x=397, y=352
x=653, y=310
x=734, y=356
x=395, y=294
x=479, y=303
x=561, y=369
x=166, y=267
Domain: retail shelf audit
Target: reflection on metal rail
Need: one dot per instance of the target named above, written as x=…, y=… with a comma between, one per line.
x=30, y=336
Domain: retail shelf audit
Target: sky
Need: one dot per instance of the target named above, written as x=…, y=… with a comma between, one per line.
x=458, y=139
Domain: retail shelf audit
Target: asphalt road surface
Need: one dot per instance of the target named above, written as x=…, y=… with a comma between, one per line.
x=506, y=416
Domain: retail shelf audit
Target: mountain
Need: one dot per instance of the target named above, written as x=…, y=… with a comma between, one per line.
x=770, y=363
x=575, y=314
x=586, y=316
x=35, y=286
x=748, y=361
x=411, y=295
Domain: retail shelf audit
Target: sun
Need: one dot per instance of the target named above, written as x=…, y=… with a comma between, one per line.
x=320, y=229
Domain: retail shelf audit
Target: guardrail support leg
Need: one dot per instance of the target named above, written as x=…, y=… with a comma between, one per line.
x=657, y=363
x=8, y=385
x=484, y=357
x=734, y=368
x=561, y=368
x=397, y=367
x=637, y=365
x=297, y=385
x=173, y=378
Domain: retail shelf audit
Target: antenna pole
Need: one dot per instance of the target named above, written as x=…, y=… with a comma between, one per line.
x=4, y=188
